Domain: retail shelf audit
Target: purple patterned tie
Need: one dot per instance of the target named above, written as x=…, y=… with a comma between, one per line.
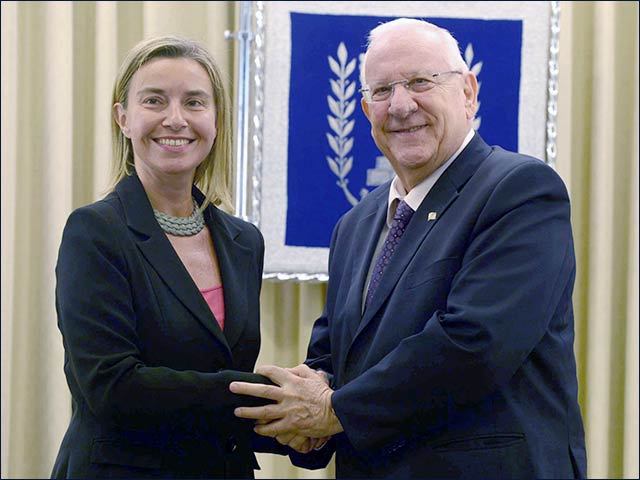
x=398, y=226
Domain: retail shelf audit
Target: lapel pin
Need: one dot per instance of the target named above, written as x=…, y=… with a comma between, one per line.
x=432, y=216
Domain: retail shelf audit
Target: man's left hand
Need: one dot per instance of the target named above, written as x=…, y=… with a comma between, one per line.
x=302, y=408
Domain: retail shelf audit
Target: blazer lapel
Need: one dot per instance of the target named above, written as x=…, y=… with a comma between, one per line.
x=431, y=210
x=155, y=246
x=234, y=263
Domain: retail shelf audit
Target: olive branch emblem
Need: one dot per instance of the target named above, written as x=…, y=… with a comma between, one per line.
x=476, y=69
x=342, y=107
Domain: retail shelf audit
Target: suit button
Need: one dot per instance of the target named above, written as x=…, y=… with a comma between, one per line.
x=232, y=445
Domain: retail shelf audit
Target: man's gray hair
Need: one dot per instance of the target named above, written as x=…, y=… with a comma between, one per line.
x=456, y=62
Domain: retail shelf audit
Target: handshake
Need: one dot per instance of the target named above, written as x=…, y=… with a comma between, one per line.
x=301, y=416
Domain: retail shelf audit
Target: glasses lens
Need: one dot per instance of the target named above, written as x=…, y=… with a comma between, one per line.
x=380, y=94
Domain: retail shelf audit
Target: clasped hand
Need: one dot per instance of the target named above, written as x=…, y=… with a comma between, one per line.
x=302, y=416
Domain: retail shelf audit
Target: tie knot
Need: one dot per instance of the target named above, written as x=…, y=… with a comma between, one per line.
x=403, y=213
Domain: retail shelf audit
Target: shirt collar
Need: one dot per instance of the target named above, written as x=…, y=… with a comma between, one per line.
x=414, y=198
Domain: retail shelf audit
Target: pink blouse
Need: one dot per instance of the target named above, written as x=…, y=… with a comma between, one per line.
x=215, y=299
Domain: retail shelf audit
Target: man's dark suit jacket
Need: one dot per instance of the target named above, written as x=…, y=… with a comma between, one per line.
x=146, y=362
x=463, y=364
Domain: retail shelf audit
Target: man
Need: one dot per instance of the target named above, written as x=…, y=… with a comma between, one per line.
x=456, y=360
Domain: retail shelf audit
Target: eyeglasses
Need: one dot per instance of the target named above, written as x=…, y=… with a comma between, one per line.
x=420, y=84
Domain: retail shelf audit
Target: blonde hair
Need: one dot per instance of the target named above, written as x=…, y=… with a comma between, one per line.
x=213, y=175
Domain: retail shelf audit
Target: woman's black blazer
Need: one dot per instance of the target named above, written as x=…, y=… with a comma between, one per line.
x=146, y=362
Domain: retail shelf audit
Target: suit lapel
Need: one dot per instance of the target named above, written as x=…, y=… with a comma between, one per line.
x=156, y=248
x=368, y=231
x=431, y=211
x=438, y=200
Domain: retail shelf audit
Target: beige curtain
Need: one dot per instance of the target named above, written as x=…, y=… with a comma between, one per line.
x=598, y=156
x=58, y=63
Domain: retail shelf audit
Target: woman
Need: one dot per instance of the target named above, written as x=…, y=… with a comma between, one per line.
x=158, y=288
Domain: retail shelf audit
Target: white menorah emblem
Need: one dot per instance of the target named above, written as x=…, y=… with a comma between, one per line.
x=342, y=106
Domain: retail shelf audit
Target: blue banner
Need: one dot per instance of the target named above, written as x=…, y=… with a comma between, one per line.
x=332, y=159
